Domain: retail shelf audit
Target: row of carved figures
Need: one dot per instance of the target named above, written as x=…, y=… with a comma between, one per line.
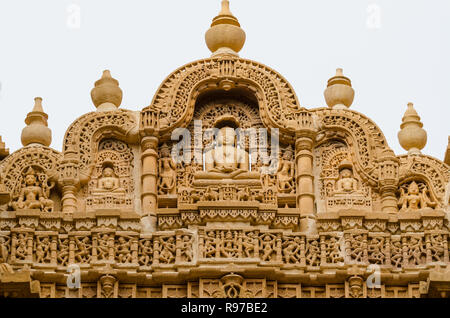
x=35, y=191
x=261, y=247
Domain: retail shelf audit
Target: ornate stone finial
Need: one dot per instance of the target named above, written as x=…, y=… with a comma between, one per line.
x=225, y=35
x=339, y=93
x=106, y=95
x=36, y=131
x=412, y=136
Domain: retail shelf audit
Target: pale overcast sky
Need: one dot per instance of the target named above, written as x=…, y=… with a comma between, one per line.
x=394, y=51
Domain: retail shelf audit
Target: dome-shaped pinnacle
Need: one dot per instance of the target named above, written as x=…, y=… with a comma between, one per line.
x=339, y=93
x=106, y=95
x=36, y=131
x=412, y=136
x=225, y=35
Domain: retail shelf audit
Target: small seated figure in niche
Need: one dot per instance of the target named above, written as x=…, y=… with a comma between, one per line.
x=414, y=199
x=34, y=195
x=346, y=183
x=226, y=160
x=108, y=182
x=167, y=172
x=285, y=173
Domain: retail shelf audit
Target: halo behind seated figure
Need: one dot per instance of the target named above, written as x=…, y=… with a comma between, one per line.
x=108, y=182
x=226, y=160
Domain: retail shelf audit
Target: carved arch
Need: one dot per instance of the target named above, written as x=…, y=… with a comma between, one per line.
x=13, y=166
x=431, y=170
x=176, y=96
x=362, y=136
x=87, y=131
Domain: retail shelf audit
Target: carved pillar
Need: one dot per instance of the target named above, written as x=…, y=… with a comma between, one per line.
x=306, y=131
x=323, y=250
x=388, y=250
x=71, y=250
x=156, y=250
x=149, y=131
x=388, y=180
x=69, y=178
x=303, y=251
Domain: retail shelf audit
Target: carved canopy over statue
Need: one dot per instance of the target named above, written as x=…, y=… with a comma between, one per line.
x=30, y=176
x=112, y=182
x=175, y=102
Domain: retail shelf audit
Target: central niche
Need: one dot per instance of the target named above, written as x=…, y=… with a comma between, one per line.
x=225, y=114
x=111, y=184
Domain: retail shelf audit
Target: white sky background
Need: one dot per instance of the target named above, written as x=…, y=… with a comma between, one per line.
x=403, y=58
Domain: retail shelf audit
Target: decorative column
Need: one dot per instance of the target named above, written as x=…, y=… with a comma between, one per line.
x=149, y=131
x=305, y=134
x=388, y=165
x=69, y=177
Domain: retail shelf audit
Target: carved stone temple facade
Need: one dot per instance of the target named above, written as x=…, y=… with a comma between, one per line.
x=329, y=212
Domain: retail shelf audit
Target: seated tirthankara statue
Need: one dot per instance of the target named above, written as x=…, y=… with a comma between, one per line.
x=108, y=183
x=346, y=183
x=34, y=195
x=226, y=160
x=347, y=193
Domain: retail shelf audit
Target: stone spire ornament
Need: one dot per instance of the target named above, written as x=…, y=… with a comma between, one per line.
x=225, y=35
x=339, y=93
x=412, y=136
x=106, y=95
x=36, y=131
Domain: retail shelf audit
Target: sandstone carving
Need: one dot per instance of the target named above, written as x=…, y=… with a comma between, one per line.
x=224, y=186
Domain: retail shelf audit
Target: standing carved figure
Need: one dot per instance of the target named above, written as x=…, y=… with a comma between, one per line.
x=291, y=249
x=186, y=248
x=4, y=255
x=103, y=247
x=145, y=252
x=285, y=173
x=83, y=250
x=266, y=248
x=21, y=249
x=417, y=252
x=229, y=248
x=167, y=255
x=124, y=250
x=43, y=250
x=312, y=253
x=248, y=244
x=333, y=251
x=397, y=254
x=167, y=172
